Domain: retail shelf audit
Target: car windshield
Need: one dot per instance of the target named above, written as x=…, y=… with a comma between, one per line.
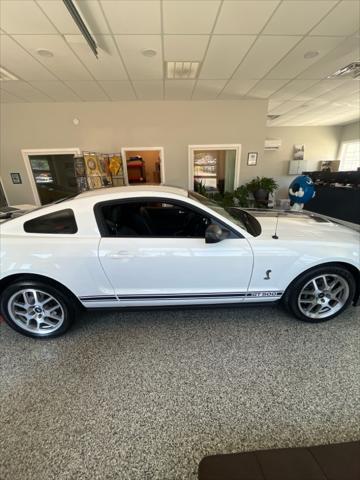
x=237, y=215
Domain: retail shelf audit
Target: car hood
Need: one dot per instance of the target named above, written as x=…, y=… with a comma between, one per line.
x=303, y=227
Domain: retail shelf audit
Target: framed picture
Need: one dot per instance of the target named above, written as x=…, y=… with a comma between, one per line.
x=16, y=178
x=252, y=158
x=299, y=152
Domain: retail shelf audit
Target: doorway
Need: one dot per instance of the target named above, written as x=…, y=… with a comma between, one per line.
x=51, y=174
x=144, y=165
x=3, y=198
x=214, y=168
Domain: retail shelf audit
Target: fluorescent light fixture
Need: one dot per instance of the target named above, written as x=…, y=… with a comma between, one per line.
x=69, y=4
x=6, y=76
x=351, y=70
x=182, y=70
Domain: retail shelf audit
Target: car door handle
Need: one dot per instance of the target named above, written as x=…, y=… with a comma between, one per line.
x=119, y=254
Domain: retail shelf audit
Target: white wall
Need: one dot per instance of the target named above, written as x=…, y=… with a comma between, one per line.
x=321, y=143
x=350, y=131
x=106, y=127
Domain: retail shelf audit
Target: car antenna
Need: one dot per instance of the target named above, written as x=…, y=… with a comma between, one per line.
x=275, y=237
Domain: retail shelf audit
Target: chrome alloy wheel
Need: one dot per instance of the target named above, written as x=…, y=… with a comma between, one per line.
x=36, y=311
x=323, y=296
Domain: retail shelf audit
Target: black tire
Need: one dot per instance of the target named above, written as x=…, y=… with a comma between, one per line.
x=67, y=312
x=291, y=297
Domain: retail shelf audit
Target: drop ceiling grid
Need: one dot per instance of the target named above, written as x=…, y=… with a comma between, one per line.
x=213, y=25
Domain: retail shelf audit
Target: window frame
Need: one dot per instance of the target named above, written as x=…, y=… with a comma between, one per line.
x=48, y=214
x=104, y=232
x=343, y=150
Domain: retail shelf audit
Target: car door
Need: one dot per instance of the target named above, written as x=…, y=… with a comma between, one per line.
x=148, y=265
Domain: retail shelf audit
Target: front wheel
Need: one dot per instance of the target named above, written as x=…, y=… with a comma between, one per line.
x=320, y=294
x=36, y=309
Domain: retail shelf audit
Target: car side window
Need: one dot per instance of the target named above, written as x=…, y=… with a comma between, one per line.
x=154, y=218
x=62, y=221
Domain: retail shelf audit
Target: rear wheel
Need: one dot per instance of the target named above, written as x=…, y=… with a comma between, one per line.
x=320, y=294
x=36, y=309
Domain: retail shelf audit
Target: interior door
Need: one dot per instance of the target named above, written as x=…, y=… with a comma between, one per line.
x=180, y=269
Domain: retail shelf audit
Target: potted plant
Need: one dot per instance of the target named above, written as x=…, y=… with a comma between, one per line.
x=241, y=195
x=261, y=188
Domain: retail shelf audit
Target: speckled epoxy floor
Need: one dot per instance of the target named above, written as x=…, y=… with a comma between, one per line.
x=145, y=395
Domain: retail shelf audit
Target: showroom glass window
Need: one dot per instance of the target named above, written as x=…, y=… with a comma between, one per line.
x=153, y=218
x=60, y=222
x=350, y=156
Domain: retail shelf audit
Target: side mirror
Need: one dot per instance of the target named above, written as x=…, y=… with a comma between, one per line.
x=214, y=234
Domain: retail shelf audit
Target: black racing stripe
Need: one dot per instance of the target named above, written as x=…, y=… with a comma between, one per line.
x=102, y=298
x=98, y=298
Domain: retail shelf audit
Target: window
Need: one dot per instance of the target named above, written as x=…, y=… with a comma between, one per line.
x=153, y=218
x=350, y=156
x=62, y=221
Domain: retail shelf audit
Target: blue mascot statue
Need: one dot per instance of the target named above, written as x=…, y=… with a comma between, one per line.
x=301, y=190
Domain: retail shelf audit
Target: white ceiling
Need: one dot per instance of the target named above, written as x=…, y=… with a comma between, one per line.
x=247, y=49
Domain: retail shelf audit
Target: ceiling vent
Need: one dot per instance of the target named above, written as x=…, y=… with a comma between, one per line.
x=6, y=76
x=351, y=70
x=273, y=117
x=182, y=70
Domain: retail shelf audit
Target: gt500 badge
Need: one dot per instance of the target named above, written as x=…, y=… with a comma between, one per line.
x=264, y=294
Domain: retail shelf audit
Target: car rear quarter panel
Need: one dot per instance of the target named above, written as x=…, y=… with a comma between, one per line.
x=71, y=260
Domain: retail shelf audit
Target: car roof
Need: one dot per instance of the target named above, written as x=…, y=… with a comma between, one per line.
x=133, y=189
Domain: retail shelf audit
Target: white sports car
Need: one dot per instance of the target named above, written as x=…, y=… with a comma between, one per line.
x=161, y=246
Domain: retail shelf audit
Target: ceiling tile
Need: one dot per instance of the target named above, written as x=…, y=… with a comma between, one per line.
x=349, y=87
x=264, y=54
x=189, y=17
x=6, y=97
x=346, y=52
x=15, y=59
x=237, y=88
x=139, y=66
x=224, y=55
x=133, y=16
x=286, y=107
x=26, y=91
x=208, y=89
x=294, y=63
x=63, y=64
x=292, y=89
x=179, y=89
x=59, y=15
x=343, y=20
x=244, y=17
x=118, y=91
x=22, y=16
x=185, y=47
x=108, y=65
x=58, y=91
x=149, y=90
x=265, y=88
x=319, y=89
x=88, y=91
x=298, y=16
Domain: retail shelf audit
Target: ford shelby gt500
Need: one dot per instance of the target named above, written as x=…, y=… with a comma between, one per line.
x=162, y=246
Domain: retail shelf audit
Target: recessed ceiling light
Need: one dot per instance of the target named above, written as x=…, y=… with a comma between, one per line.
x=149, y=52
x=43, y=52
x=311, y=54
x=184, y=70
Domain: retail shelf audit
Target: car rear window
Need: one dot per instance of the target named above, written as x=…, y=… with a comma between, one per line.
x=62, y=221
